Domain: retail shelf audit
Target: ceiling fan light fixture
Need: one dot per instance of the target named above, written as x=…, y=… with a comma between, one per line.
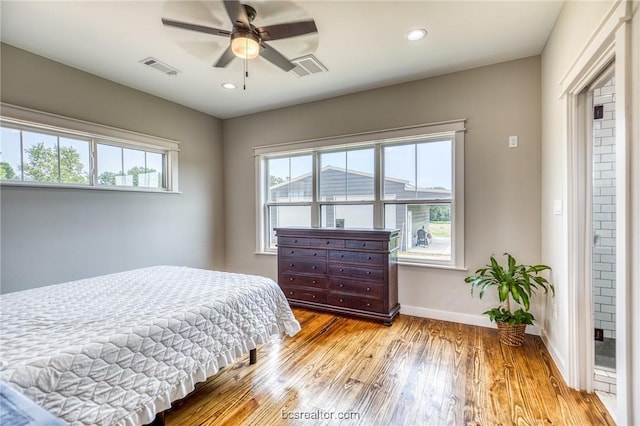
x=415, y=35
x=228, y=86
x=245, y=44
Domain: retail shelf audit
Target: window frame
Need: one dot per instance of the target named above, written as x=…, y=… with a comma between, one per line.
x=25, y=119
x=452, y=130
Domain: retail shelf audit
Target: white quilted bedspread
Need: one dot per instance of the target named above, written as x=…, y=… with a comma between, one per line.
x=119, y=348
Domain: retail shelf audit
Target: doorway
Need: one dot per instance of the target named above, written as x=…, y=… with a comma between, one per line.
x=602, y=99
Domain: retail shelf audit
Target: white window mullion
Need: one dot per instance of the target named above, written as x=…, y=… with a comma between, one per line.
x=378, y=206
x=315, y=188
x=93, y=162
x=21, y=155
x=58, y=151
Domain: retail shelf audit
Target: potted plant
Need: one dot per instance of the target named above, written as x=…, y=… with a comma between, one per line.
x=517, y=282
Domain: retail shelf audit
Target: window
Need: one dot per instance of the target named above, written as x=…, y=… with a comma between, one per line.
x=38, y=153
x=412, y=183
x=33, y=156
x=289, y=188
x=118, y=166
x=347, y=188
x=418, y=196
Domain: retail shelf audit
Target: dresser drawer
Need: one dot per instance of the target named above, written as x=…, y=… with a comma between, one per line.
x=303, y=252
x=303, y=281
x=307, y=266
x=358, y=257
x=355, y=302
x=303, y=293
x=327, y=242
x=294, y=241
x=366, y=245
x=356, y=272
x=358, y=288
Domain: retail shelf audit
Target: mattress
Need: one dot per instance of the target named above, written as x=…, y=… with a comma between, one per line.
x=119, y=348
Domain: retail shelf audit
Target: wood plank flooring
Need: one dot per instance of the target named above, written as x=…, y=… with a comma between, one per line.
x=345, y=371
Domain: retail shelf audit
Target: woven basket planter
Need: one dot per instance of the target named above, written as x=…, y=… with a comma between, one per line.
x=511, y=335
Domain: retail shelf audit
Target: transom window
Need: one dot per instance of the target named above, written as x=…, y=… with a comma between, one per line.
x=36, y=153
x=407, y=184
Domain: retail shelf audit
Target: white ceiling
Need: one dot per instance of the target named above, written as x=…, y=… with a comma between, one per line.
x=360, y=42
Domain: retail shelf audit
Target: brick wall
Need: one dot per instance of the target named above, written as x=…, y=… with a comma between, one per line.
x=604, y=210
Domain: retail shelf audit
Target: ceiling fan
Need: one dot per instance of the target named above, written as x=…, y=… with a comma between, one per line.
x=247, y=40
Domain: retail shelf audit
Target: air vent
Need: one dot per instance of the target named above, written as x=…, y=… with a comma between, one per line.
x=307, y=65
x=160, y=66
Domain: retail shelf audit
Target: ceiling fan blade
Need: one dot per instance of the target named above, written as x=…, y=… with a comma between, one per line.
x=291, y=29
x=275, y=57
x=236, y=12
x=195, y=27
x=226, y=57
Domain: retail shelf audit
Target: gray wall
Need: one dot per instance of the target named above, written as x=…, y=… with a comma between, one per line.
x=502, y=185
x=54, y=235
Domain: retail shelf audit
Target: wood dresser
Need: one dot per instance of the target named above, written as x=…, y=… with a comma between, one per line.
x=344, y=271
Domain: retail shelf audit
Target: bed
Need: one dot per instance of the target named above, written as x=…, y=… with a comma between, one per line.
x=118, y=349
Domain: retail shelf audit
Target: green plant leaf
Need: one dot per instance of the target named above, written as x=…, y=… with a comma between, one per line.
x=516, y=280
x=503, y=292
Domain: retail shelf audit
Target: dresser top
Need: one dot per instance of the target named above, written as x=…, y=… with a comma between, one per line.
x=346, y=233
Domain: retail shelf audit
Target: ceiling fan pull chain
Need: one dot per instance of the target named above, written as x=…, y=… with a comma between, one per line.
x=246, y=74
x=246, y=66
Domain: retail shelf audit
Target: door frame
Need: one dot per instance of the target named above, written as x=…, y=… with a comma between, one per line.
x=609, y=43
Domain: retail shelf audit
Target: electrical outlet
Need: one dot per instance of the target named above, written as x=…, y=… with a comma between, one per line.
x=513, y=141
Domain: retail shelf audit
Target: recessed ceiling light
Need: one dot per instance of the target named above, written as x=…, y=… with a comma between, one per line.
x=416, y=35
x=228, y=86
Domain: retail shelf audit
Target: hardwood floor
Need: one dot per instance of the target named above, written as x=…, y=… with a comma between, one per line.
x=416, y=372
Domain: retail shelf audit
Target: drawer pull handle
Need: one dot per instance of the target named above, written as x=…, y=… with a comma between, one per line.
x=342, y=255
x=315, y=254
x=368, y=272
x=291, y=279
x=292, y=251
x=313, y=296
x=295, y=241
x=341, y=300
x=291, y=293
x=368, y=288
x=314, y=267
x=328, y=242
x=341, y=270
x=341, y=285
x=314, y=282
x=364, y=244
x=368, y=305
x=368, y=257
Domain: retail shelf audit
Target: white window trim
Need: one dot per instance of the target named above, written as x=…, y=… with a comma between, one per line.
x=98, y=133
x=454, y=129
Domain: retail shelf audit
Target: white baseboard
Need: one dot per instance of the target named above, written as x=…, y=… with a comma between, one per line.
x=479, y=320
x=557, y=358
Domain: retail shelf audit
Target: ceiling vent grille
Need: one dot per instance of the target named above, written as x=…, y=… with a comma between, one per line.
x=307, y=65
x=160, y=66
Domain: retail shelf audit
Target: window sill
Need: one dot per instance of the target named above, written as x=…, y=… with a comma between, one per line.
x=86, y=187
x=432, y=266
x=266, y=253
